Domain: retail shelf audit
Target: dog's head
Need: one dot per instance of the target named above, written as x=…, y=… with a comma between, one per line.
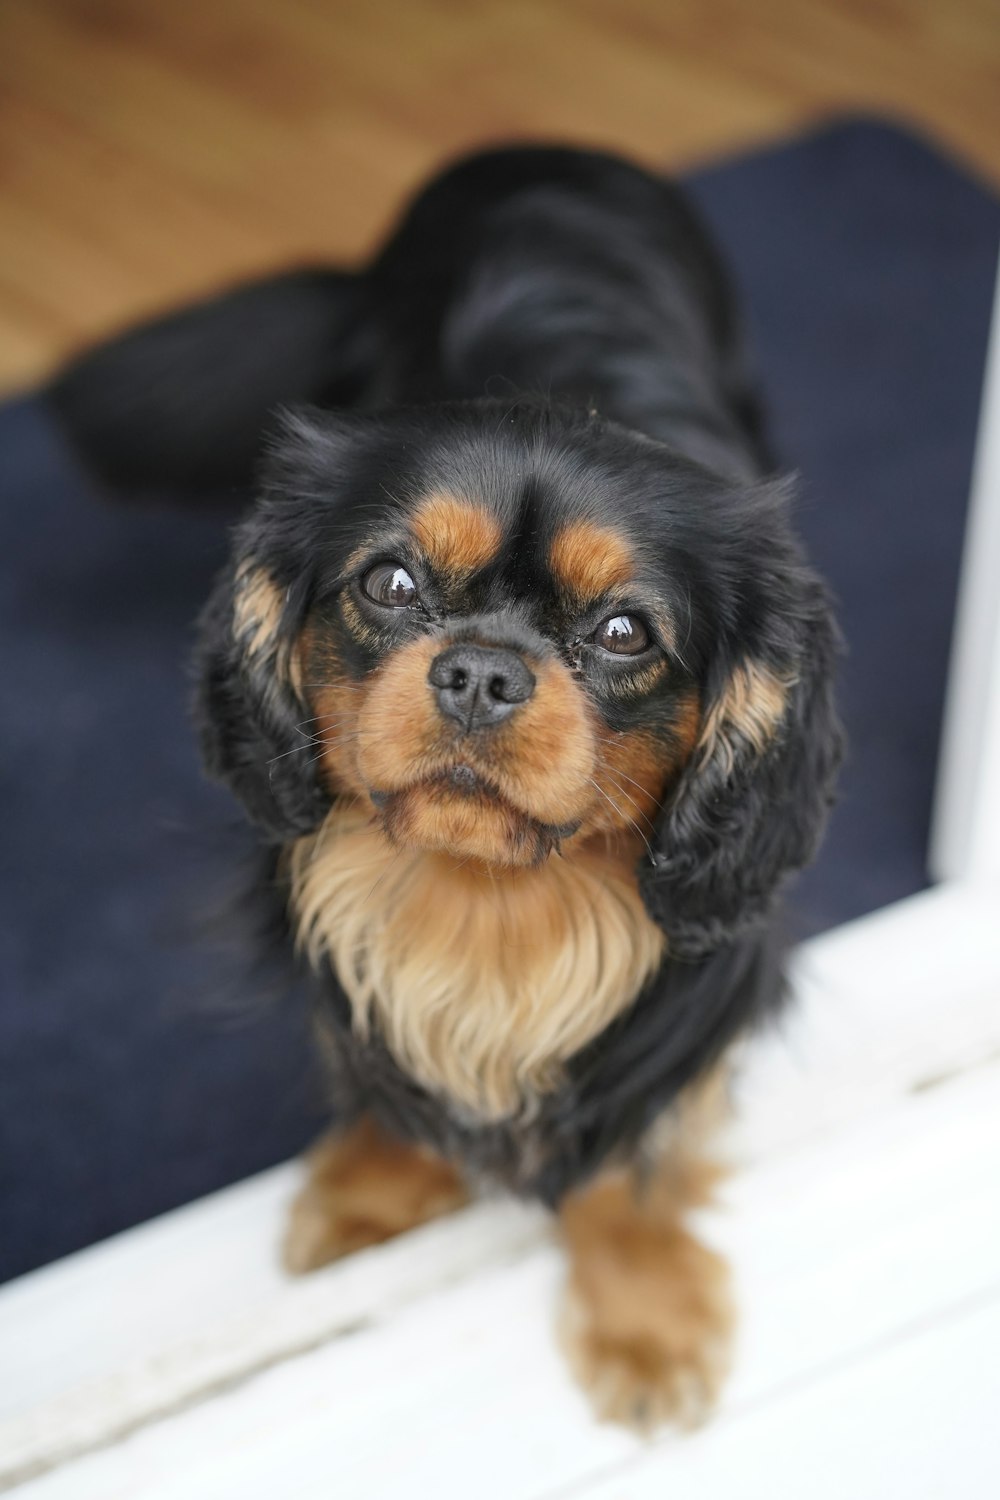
x=511, y=631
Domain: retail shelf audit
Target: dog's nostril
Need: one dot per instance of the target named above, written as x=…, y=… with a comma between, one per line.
x=459, y=679
x=515, y=684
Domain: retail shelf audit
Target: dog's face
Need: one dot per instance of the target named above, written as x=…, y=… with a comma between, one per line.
x=495, y=666
x=511, y=631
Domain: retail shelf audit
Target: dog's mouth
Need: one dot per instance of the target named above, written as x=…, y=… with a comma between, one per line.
x=459, y=811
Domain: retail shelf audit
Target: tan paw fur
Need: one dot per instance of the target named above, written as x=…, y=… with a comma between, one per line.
x=648, y=1319
x=364, y=1187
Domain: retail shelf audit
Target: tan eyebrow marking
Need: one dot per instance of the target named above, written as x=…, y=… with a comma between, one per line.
x=456, y=536
x=588, y=560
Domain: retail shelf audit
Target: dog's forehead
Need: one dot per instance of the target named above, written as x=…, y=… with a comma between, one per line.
x=538, y=546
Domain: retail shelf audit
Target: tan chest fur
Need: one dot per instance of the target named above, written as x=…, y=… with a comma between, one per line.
x=482, y=983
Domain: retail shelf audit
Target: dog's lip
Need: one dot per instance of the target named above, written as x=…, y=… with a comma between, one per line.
x=460, y=776
x=463, y=778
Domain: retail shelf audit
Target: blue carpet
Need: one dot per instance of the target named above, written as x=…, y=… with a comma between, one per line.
x=866, y=261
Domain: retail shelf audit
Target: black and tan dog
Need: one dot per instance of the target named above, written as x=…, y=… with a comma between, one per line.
x=522, y=675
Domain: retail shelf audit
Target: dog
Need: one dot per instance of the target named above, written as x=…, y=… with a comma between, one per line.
x=522, y=675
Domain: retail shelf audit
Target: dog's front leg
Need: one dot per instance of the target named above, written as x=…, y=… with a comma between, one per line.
x=365, y=1186
x=649, y=1316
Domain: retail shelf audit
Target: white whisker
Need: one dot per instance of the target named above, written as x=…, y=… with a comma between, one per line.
x=624, y=815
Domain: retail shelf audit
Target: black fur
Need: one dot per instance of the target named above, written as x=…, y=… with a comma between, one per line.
x=178, y=406
x=614, y=1090
x=551, y=329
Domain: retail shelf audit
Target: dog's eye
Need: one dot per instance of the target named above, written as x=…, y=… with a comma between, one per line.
x=390, y=584
x=622, y=635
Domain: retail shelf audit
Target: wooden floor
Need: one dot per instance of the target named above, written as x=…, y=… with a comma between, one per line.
x=151, y=148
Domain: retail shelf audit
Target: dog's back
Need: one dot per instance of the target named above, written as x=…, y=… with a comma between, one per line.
x=567, y=274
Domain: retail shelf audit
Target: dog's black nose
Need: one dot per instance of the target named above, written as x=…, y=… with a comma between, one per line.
x=480, y=685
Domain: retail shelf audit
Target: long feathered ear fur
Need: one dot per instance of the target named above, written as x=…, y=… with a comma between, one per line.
x=752, y=804
x=251, y=703
x=249, y=706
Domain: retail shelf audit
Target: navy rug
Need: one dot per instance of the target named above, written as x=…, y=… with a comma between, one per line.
x=867, y=262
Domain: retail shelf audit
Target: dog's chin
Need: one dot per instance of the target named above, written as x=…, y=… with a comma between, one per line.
x=457, y=812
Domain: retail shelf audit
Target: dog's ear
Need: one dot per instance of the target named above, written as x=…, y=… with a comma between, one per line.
x=251, y=704
x=752, y=803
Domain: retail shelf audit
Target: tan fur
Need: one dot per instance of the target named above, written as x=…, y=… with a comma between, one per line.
x=437, y=818
x=540, y=761
x=456, y=536
x=364, y=1187
x=257, y=614
x=588, y=560
x=335, y=707
x=633, y=770
x=257, y=609
x=482, y=982
x=649, y=1313
x=483, y=972
x=552, y=762
x=637, y=681
x=752, y=706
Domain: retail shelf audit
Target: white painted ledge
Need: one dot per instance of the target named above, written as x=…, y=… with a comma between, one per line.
x=965, y=839
x=868, y=1211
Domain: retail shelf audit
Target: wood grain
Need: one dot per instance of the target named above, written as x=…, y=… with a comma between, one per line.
x=153, y=148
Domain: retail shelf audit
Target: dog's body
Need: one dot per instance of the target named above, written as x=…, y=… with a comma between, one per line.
x=521, y=673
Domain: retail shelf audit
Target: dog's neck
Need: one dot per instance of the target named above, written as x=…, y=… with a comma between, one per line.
x=481, y=983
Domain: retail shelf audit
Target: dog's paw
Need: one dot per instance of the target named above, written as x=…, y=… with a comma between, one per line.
x=317, y=1232
x=646, y=1351
x=364, y=1188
